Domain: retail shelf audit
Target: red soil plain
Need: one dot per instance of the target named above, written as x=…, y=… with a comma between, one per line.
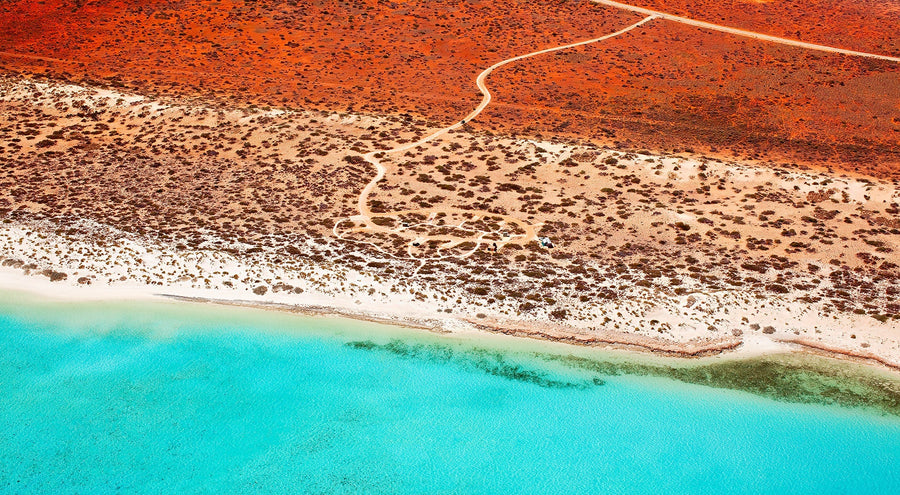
x=862, y=25
x=662, y=87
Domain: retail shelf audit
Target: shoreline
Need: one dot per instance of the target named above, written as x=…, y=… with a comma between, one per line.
x=674, y=257
x=613, y=342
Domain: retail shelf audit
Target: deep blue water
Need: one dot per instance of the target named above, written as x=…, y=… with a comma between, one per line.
x=159, y=398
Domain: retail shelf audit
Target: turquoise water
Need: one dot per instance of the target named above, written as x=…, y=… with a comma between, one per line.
x=160, y=398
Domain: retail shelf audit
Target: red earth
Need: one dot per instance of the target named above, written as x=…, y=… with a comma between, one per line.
x=673, y=87
x=662, y=87
x=862, y=25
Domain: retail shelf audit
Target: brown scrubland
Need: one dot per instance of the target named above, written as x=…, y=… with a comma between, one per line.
x=248, y=181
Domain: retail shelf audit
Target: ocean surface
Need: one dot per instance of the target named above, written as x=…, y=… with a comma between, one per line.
x=180, y=398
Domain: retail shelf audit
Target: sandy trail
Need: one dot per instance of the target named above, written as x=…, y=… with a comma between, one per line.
x=365, y=214
x=742, y=32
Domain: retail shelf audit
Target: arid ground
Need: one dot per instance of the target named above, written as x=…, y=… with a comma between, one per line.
x=665, y=87
x=671, y=187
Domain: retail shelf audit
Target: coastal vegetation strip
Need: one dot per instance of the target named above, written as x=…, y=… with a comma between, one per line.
x=110, y=189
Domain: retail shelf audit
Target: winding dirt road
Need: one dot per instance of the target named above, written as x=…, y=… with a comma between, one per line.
x=505, y=222
x=528, y=230
x=744, y=33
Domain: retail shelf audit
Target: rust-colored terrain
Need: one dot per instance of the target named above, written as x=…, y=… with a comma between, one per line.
x=371, y=56
x=864, y=25
x=283, y=184
x=668, y=86
x=664, y=86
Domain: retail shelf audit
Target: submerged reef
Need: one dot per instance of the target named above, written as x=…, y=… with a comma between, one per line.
x=486, y=361
x=795, y=378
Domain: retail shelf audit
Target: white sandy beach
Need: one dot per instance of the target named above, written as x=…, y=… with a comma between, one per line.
x=346, y=294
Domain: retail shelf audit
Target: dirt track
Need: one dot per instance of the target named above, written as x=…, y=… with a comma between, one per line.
x=365, y=214
x=742, y=32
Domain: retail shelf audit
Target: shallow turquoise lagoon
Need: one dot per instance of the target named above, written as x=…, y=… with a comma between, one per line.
x=175, y=398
